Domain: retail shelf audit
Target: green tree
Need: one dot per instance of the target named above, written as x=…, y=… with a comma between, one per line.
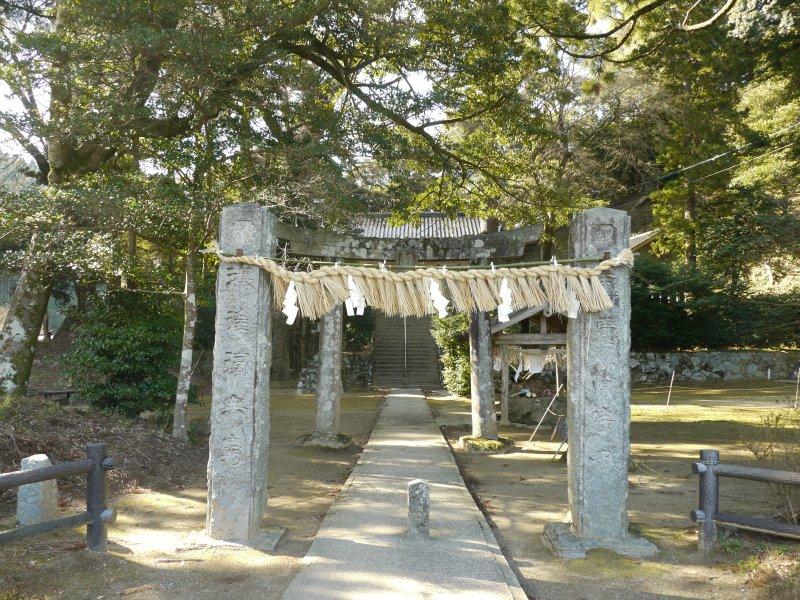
x=366, y=94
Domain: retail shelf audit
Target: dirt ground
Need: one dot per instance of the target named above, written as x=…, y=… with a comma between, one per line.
x=143, y=563
x=522, y=491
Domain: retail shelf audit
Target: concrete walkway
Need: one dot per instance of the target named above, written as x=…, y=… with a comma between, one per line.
x=361, y=551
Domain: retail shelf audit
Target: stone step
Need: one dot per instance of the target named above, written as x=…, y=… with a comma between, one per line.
x=404, y=355
x=402, y=382
x=416, y=364
x=413, y=365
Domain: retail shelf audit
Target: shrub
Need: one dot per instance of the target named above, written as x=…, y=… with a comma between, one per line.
x=358, y=331
x=673, y=308
x=451, y=335
x=777, y=446
x=126, y=352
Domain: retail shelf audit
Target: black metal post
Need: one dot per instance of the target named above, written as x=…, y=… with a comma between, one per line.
x=709, y=500
x=96, y=533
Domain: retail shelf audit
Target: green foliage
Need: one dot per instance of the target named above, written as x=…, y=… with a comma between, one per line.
x=126, y=351
x=675, y=308
x=358, y=331
x=451, y=335
x=732, y=546
x=657, y=322
x=776, y=445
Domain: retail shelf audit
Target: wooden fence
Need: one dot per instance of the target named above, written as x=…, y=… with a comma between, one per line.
x=708, y=515
x=97, y=514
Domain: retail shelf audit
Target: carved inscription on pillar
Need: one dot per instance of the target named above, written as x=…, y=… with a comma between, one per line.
x=237, y=464
x=599, y=388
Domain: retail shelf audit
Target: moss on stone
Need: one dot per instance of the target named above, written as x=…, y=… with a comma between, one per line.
x=335, y=441
x=481, y=445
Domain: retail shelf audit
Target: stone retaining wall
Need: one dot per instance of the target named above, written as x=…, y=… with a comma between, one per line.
x=356, y=373
x=726, y=365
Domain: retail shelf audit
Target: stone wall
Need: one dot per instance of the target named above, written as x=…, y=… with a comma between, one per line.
x=529, y=410
x=726, y=365
x=356, y=373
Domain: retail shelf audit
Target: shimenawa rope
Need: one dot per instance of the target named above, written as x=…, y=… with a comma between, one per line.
x=409, y=293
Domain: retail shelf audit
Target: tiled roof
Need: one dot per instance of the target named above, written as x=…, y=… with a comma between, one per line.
x=437, y=225
x=432, y=225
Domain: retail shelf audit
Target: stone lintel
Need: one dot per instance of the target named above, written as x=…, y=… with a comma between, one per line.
x=501, y=244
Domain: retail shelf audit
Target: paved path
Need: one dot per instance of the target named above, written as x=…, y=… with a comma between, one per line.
x=361, y=551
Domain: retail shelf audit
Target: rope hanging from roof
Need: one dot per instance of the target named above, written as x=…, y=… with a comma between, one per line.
x=416, y=293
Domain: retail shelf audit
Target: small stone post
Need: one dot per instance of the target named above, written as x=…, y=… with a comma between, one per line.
x=37, y=502
x=598, y=403
x=419, y=509
x=329, y=385
x=237, y=462
x=484, y=422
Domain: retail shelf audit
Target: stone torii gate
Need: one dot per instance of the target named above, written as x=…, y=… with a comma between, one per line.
x=599, y=391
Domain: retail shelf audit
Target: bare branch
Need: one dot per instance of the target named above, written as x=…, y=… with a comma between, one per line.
x=710, y=21
x=574, y=35
x=30, y=10
x=27, y=144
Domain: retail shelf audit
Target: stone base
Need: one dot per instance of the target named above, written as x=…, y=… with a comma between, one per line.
x=560, y=538
x=479, y=445
x=265, y=541
x=334, y=441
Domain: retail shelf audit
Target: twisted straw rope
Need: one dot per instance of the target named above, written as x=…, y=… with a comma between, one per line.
x=624, y=258
x=407, y=294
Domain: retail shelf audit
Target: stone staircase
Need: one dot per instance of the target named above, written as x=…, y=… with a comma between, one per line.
x=417, y=367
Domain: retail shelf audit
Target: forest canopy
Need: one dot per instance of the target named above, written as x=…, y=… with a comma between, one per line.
x=128, y=125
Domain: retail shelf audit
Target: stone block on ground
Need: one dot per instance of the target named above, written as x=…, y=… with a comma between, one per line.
x=264, y=540
x=334, y=441
x=561, y=539
x=481, y=445
x=37, y=502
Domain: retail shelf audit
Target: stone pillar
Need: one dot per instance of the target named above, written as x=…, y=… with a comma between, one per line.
x=329, y=385
x=504, y=385
x=37, y=502
x=237, y=462
x=484, y=438
x=484, y=423
x=598, y=403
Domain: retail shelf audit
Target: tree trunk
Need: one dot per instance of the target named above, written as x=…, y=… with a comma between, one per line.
x=187, y=349
x=82, y=295
x=690, y=213
x=281, y=337
x=20, y=331
x=130, y=243
x=46, y=326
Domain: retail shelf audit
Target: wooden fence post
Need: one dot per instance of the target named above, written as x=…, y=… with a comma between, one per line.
x=96, y=532
x=709, y=500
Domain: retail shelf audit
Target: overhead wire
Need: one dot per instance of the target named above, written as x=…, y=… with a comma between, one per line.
x=675, y=173
x=743, y=162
